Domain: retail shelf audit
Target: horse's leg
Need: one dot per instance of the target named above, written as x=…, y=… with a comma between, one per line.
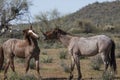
x=105, y=59
x=12, y=64
x=27, y=61
x=37, y=65
x=77, y=62
x=72, y=67
x=6, y=68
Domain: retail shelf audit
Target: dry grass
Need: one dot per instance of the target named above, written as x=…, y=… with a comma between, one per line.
x=54, y=71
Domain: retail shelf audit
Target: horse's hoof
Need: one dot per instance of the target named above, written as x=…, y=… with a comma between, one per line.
x=80, y=78
x=5, y=77
x=39, y=78
x=71, y=76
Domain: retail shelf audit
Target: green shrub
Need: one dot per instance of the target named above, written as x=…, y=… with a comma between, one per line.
x=44, y=52
x=82, y=57
x=28, y=77
x=107, y=76
x=20, y=60
x=13, y=76
x=57, y=45
x=65, y=67
x=32, y=64
x=46, y=46
x=63, y=54
x=96, y=62
x=47, y=59
x=117, y=55
x=75, y=30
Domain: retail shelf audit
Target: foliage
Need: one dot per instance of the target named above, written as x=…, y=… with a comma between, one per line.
x=47, y=59
x=107, y=76
x=20, y=60
x=65, y=67
x=99, y=14
x=44, y=52
x=15, y=76
x=63, y=54
x=28, y=77
x=32, y=64
x=117, y=55
x=49, y=20
x=11, y=10
x=96, y=62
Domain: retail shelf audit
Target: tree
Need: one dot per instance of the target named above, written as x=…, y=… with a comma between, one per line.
x=11, y=10
x=48, y=20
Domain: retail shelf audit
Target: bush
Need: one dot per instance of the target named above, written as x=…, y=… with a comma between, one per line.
x=20, y=60
x=63, y=54
x=96, y=62
x=65, y=67
x=15, y=76
x=47, y=59
x=44, y=52
x=83, y=57
x=75, y=30
x=32, y=64
x=107, y=76
x=57, y=45
x=28, y=77
x=117, y=55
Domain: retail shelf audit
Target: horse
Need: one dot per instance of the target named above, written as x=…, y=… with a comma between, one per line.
x=26, y=48
x=81, y=46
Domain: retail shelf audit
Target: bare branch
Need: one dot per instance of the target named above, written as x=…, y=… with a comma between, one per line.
x=11, y=10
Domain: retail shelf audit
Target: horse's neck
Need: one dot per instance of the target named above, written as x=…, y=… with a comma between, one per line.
x=34, y=42
x=31, y=41
x=65, y=39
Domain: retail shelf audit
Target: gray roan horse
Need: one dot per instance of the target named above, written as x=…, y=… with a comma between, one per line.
x=26, y=48
x=80, y=46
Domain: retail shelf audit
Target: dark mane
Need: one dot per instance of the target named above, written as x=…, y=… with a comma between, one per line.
x=26, y=36
x=61, y=31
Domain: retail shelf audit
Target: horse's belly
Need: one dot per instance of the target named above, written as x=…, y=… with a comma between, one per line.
x=20, y=54
x=92, y=53
x=88, y=51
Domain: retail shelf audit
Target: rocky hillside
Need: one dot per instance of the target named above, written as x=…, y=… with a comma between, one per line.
x=98, y=13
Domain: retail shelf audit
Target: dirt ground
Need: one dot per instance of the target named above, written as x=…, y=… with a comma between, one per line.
x=54, y=71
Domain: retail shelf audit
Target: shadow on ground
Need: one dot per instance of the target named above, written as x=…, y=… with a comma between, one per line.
x=67, y=79
x=116, y=78
x=54, y=79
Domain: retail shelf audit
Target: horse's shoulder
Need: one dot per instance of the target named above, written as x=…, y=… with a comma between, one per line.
x=11, y=41
x=74, y=38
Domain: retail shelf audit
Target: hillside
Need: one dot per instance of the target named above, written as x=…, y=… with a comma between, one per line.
x=100, y=14
x=97, y=13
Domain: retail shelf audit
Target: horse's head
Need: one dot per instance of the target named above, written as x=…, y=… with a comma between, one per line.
x=30, y=33
x=54, y=34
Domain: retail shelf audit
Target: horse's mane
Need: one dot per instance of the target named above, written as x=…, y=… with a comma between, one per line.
x=61, y=31
x=28, y=38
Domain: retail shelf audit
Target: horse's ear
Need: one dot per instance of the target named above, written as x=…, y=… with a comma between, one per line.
x=24, y=31
x=31, y=27
x=56, y=29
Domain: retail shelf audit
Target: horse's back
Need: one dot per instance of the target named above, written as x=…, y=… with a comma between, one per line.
x=9, y=45
x=90, y=45
x=9, y=42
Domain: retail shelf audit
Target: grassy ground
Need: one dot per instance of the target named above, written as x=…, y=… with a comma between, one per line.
x=54, y=70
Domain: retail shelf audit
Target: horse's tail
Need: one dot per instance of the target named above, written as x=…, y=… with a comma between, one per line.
x=1, y=57
x=112, y=57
